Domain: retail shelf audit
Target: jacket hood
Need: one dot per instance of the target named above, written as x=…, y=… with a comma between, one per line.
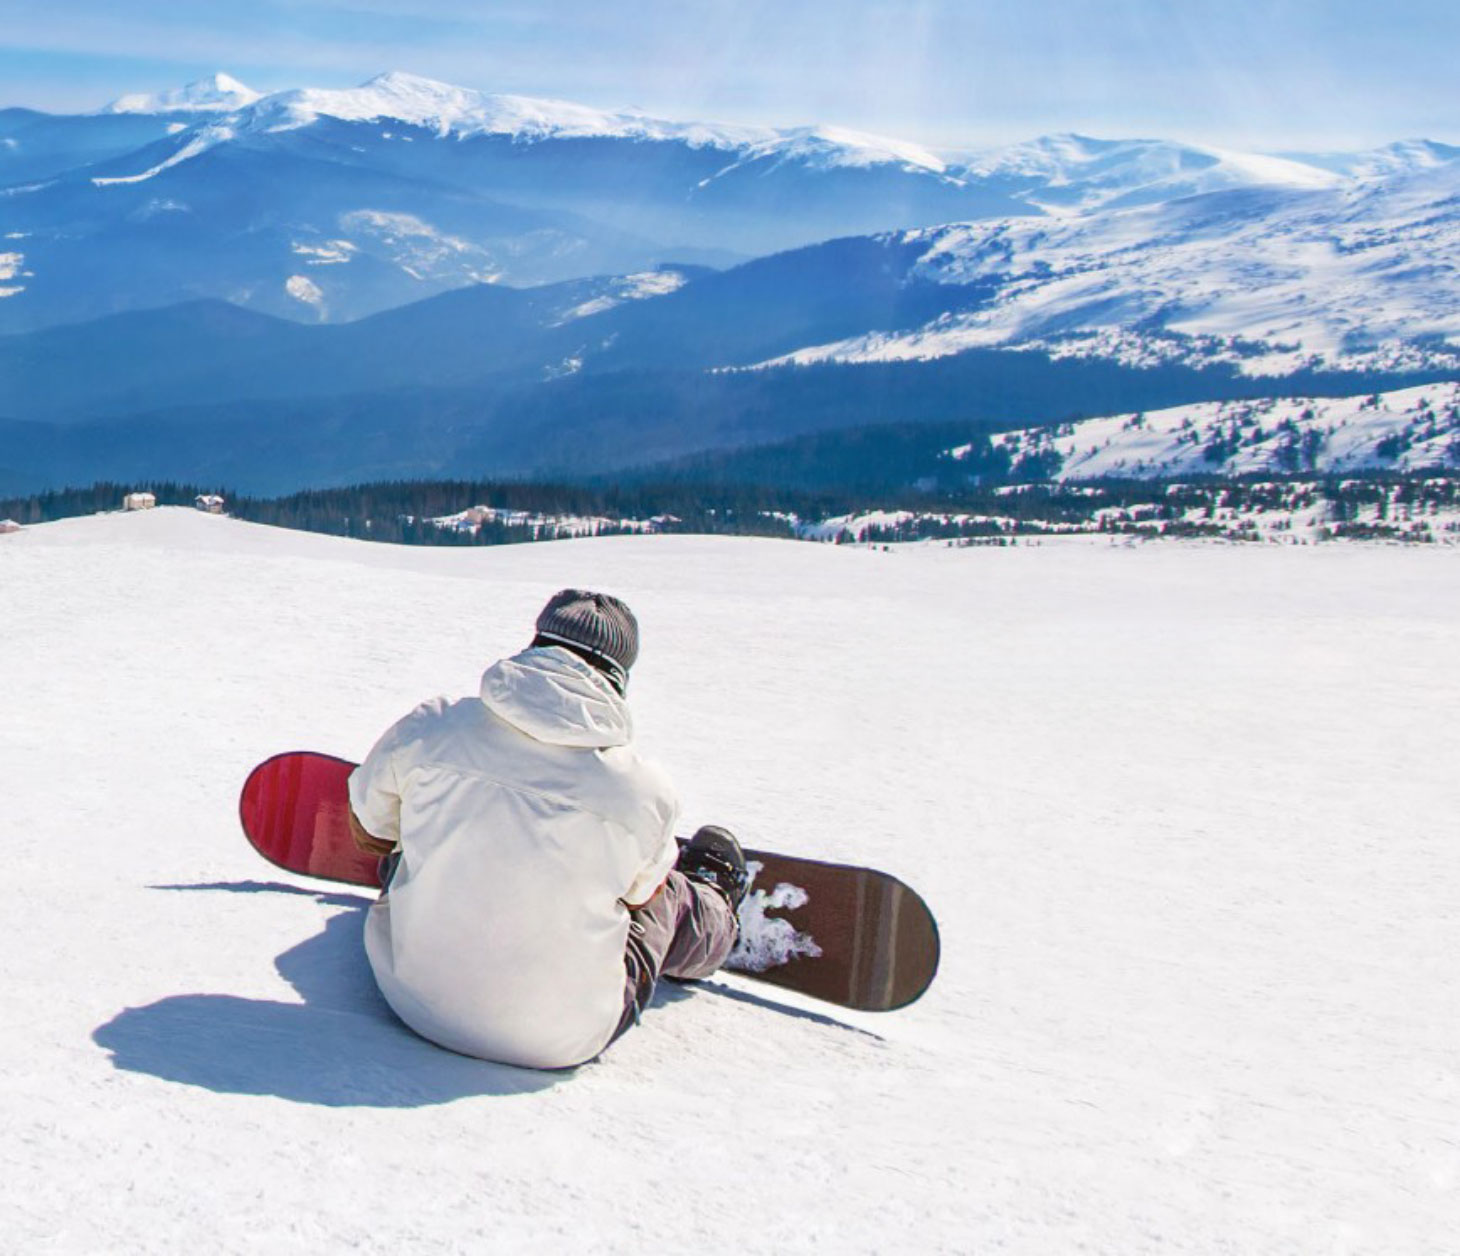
x=555, y=697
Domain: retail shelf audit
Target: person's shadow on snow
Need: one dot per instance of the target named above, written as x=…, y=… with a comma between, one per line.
x=341, y=1047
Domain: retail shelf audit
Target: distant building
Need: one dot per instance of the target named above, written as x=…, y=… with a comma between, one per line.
x=8, y=525
x=139, y=501
x=210, y=502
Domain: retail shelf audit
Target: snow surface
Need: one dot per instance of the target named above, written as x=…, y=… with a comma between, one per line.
x=768, y=941
x=326, y=252
x=547, y=527
x=621, y=288
x=192, y=147
x=419, y=248
x=11, y=267
x=1184, y=814
x=305, y=290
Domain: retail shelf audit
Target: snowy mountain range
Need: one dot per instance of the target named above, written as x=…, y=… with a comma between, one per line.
x=326, y=205
x=576, y=377
x=563, y=286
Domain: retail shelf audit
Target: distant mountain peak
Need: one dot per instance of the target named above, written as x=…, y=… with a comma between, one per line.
x=404, y=80
x=1403, y=157
x=448, y=110
x=1072, y=173
x=218, y=93
x=841, y=146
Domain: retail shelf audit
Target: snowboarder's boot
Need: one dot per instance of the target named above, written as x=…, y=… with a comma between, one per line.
x=714, y=857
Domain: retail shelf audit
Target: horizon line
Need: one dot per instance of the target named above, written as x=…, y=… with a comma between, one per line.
x=941, y=147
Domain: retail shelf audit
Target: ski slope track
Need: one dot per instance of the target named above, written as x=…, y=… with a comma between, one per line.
x=1184, y=813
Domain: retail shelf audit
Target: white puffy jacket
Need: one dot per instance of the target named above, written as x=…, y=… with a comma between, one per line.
x=525, y=823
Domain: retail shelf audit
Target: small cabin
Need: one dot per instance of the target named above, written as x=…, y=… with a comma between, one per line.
x=209, y=502
x=8, y=525
x=139, y=501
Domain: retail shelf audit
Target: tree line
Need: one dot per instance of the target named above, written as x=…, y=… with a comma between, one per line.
x=402, y=511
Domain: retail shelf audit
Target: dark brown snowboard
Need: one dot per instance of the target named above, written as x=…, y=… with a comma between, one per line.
x=852, y=936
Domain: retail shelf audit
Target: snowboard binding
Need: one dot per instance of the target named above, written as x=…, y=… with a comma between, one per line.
x=713, y=857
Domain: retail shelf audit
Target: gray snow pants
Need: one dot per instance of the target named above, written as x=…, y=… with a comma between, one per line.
x=685, y=932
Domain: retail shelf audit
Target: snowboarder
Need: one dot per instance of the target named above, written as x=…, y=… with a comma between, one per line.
x=535, y=892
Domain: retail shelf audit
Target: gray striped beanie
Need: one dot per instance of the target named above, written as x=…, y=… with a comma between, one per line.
x=596, y=622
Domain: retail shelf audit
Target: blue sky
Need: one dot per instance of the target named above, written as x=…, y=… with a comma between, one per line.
x=1268, y=74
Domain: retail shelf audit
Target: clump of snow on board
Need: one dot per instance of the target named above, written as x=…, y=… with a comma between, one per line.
x=769, y=941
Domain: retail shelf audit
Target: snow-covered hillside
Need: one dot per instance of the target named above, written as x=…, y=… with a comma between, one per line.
x=1363, y=276
x=1294, y=510
x=1403, y=157
x=1413, y=429
x=1181, y=811
x=1064, y=174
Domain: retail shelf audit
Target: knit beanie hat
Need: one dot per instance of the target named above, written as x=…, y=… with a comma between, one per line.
x=597, y=623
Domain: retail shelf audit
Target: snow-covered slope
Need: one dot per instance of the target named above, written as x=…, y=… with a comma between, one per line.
x=1071, y=173
x=1361, y=276
x=1176, y=809
x=1400, y=158
x=1413, y=429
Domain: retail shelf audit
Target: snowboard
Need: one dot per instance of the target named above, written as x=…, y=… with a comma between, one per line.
x=852, y=936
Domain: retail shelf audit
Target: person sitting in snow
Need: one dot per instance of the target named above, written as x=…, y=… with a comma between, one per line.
x=535, y=892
